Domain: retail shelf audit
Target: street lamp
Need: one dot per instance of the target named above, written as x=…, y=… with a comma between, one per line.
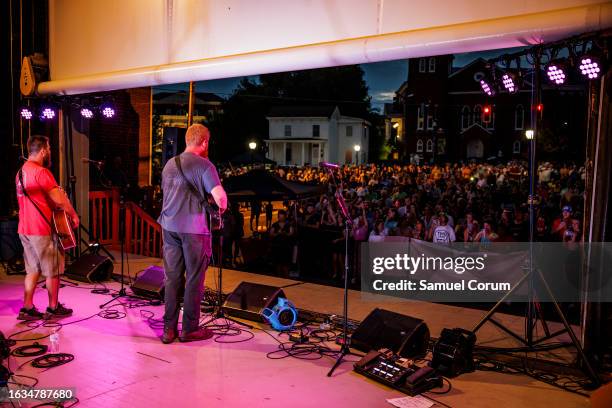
x=252, y=147
x=529, y=134
x=357, y=149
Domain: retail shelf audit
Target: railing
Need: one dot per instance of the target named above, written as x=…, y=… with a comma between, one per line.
x=104, y=216
x=143, y=235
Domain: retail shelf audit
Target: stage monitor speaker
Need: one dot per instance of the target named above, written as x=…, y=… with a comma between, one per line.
x=404, y=335
x=173, y=143
x=150, y=283
x=90, y=268
x=249, y=299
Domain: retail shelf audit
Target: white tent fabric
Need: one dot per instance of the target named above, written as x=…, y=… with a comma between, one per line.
x=115, y=44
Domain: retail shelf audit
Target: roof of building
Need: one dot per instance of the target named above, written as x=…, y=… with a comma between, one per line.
x=301, y=111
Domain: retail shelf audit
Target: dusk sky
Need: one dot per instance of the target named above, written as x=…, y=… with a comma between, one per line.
x=383, y=78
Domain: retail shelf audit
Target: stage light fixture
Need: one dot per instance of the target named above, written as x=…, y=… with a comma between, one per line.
x=87, y=112
x=556, y=72
x=47, y=113
x=26, y=113
x=590, y=66
x=487, y=88
x=107, y=110
x=510, y=82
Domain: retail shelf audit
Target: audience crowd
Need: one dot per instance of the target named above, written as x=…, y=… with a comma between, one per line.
x=439, y=203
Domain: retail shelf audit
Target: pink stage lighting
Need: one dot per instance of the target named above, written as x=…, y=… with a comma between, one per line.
x=47, y=113
x=556, y=73
x=87, y=113
x=509, y=82
x=590, y=67
x=486, y=88
x=107, y=111
x=26, y=113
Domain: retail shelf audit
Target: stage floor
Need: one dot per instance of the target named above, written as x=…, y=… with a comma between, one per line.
x=122, y=363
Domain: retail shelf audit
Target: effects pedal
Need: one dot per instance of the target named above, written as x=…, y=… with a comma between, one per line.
x=397, y=372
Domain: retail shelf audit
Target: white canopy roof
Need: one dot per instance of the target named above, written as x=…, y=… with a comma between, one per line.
x=115, y=44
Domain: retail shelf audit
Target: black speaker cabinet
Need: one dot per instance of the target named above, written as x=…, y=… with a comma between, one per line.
x=90, y=268
x=150, y=283
x=249, y=299
x=407, y=336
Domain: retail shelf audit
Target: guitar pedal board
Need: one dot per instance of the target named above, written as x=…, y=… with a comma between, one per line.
x=397, y=372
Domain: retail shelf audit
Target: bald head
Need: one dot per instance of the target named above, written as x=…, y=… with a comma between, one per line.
x=197, y=135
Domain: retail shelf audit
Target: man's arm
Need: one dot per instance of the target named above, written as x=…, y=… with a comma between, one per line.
x=220, y=197
x=61, y=201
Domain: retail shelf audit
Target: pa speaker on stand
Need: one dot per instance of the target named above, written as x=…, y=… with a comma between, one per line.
x=90, y=268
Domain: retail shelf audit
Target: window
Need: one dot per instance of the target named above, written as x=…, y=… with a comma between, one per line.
x=465, y=117
x=519, y=117
x=349, y=131
x=419, y=146
x=432, y=65
x=288, y=153
x=422, y=65
x=441, y=146
x=478, y=114
x=430, y=120
x=429, y=146
x=287, y=130
x=420, y=118
x=516, y=147
x=316, y=130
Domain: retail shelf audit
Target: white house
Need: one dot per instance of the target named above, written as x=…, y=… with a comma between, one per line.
x=300, y=135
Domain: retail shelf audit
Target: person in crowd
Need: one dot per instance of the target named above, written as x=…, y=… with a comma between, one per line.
x=486, y=234
x=269, y=210
x=281, y=234
x=444, y=233
x=255, y=213
x=561, y=224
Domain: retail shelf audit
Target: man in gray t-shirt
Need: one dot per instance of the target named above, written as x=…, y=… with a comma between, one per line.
x=187, y=241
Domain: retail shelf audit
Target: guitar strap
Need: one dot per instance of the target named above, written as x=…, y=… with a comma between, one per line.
x=203, y=201
x=25, y=193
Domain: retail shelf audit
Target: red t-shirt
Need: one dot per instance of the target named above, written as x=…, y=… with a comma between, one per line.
x=38, y=181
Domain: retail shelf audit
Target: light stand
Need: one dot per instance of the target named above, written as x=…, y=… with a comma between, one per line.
x=534, y=272
x=348, y=223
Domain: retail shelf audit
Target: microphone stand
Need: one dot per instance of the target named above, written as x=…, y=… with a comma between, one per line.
x=348, y=223
x=122, y=291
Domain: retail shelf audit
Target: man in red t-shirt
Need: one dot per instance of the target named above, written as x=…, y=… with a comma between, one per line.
x=41, y=252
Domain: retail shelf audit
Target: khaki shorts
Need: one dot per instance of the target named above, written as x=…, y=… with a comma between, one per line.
x=42, y=254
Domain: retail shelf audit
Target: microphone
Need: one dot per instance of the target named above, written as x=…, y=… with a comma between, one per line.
x=94, y=162
x=327, y=165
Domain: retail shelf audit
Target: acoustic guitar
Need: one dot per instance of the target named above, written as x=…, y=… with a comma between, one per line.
x=62, y=228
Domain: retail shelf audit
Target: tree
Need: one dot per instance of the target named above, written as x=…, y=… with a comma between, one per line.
x=245, y=111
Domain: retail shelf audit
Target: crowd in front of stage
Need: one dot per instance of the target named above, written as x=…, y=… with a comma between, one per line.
x=437, y=203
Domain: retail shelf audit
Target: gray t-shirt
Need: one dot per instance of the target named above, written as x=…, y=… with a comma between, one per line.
x=181, y=209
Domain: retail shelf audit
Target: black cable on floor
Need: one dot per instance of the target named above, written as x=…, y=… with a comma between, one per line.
x=52, y=360
x=31, y=350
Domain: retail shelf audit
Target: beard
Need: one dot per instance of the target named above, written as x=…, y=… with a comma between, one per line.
x=47, y=161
